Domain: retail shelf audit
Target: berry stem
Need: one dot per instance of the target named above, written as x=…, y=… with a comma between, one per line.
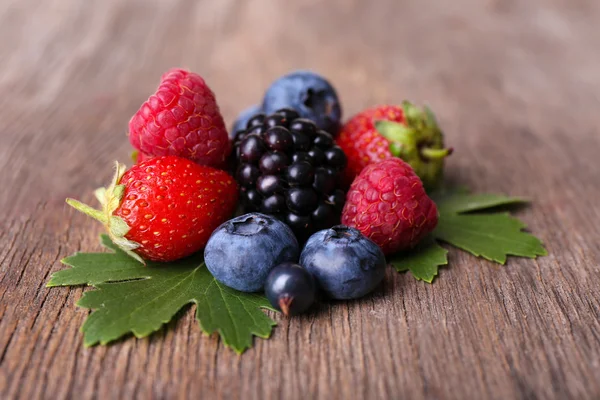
x=435, y=154
x=87, y=210
x=285, y=302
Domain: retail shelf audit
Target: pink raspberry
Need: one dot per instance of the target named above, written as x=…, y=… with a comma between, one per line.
x=388, y=204
x=183, y=119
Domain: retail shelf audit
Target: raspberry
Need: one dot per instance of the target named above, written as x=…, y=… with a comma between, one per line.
x=388, y=204
x=183, y=119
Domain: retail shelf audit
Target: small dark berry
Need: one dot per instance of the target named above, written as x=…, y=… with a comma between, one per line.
x=247, y=174
x=273, y=163
x=324, y=181
x=300, y=173
x=301, y=156
x=302, y=125
x=252, y=199
x=316, y=156
x=323, y=212
x=301, y=200
x=323, y=140
x=257, y=120
x=289, y=113
x=273, y=204
x=298, y=223
x=251, y=148
x=301, y=141
x=279, y=139
x=290, y=289
x=275, y=120
x=269, y=184
x=337, y=199
x=335, y=157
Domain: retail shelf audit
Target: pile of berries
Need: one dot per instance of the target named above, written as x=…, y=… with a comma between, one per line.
x=320, y=204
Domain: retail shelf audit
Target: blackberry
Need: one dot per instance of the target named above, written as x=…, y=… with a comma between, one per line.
x=288, y=168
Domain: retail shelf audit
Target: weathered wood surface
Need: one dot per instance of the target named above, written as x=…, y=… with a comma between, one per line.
x=516, y=85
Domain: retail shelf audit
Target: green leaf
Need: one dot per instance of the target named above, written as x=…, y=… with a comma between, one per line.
x=462, y=202
x=138, y=299
x=491, y=236
x=422, y=261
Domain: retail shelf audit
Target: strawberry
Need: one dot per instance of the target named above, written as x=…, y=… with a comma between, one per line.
x=183, y=119
x=393, y=131
x=388, y=204
x=165, y=208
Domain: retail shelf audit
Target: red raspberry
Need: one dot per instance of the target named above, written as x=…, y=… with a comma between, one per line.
x=183, y=119
x=388, y=204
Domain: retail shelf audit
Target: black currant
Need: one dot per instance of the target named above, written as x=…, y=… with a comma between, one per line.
x=290, y=289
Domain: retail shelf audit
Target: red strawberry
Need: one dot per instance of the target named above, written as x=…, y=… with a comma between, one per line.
x=165, y=208
x=183, y=119
x=393, y=131
x=388, y=204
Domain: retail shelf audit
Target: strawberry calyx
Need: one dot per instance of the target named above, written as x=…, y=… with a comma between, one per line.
x=419, y=141
x=110, y=199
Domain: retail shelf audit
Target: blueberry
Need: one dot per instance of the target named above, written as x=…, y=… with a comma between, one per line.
x=345, y=263
x=242, y=251
x=241, y=122
x=290, y=288
x=311, y=95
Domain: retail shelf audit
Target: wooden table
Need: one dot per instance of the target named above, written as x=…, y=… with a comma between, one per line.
x=516, y=85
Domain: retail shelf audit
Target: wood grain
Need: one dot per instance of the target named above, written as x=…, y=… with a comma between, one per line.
x=516, y=86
